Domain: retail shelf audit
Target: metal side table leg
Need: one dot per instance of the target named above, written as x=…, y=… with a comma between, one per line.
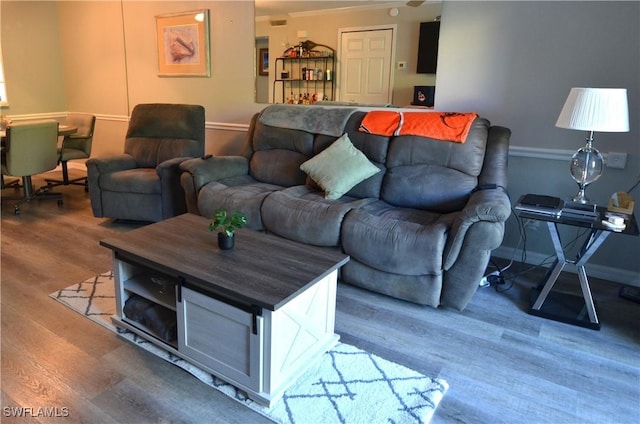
x=557, y=268
x=564, y=307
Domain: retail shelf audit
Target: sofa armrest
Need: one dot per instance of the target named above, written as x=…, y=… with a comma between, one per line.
x=490, y=205
x=171, y=165
x=494, y=167
x=200, y=171
x=173, y=196
x=214, y=168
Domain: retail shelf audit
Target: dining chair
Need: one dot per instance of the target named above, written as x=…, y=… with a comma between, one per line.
x=75, y=146
x=31, y=148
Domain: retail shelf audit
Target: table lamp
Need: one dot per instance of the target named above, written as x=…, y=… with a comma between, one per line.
x=592, y=109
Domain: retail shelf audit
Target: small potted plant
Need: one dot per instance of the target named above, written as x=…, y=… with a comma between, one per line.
x=227, y=224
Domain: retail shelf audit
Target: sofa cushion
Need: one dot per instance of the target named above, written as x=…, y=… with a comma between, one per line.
x=433, y=174
x=246, y=198
x=304, y=215
x=431, y=187
x=397, y=240
x=278, y=154
x=339, y=168
x=467, y=157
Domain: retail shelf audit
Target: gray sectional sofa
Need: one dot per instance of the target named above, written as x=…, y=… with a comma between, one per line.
x=421, y=229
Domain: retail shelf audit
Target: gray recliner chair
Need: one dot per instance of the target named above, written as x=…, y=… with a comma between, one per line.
x=143, y=183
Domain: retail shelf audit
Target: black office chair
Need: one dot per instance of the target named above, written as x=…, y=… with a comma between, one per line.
x=75, y=146
x=31, y=148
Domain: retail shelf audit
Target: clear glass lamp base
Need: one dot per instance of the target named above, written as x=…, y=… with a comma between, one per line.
x=581, y=197
x=586, y=167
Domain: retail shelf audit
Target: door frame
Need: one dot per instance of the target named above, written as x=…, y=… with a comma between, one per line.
x=394, y=36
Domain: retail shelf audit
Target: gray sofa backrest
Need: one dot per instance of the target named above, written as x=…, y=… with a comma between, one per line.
x=434, y=175
x=375, y=147
x=278, y=154
x=417, y=172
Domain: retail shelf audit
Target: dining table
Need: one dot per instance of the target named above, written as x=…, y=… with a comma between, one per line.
x=63, y=130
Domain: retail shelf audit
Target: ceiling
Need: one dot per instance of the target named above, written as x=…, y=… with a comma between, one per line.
x=280, y=8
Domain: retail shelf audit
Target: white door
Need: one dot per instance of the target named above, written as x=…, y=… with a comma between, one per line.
x=365, y=66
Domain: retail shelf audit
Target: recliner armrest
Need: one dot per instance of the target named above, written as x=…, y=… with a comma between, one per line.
x=110, y=164
x=491, y=205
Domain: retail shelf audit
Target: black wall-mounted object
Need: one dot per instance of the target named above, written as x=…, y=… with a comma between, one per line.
x=428, y=47
x=424, y=95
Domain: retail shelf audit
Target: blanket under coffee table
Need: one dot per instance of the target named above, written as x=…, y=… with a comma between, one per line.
x=256, y=316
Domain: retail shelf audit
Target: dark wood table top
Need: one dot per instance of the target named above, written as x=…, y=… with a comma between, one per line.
x=262, y=269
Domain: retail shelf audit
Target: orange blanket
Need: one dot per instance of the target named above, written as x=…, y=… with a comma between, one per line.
x=449, y=126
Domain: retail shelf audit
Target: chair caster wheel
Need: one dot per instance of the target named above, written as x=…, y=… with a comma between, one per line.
x=16, y=211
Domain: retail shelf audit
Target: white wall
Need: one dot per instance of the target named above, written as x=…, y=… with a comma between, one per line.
x=514, y=63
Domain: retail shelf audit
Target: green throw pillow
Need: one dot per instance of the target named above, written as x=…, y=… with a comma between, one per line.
x=338, y=168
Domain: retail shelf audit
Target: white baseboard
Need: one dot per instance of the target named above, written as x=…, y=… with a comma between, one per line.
x=593, y=270
x=74, y=165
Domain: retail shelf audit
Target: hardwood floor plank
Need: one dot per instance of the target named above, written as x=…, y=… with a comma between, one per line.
x=59, y=360
x=502, y=364
x=19, y=299
x=163, y=381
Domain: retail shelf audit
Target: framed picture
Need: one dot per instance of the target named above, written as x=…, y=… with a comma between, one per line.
x=183, y=44
x=263, y=66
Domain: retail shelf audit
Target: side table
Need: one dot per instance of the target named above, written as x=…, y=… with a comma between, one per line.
x=563, y=307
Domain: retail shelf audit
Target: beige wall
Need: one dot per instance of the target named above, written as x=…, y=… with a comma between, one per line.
x=101, y=57
x=513, y=62
x=32, y=57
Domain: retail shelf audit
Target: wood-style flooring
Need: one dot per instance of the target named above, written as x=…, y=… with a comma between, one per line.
x=502, y=364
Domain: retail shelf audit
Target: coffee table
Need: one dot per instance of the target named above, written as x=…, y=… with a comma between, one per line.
x=257, y=316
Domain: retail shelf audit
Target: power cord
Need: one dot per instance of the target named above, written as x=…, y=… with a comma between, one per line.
x=497, y=279
x=502, y=281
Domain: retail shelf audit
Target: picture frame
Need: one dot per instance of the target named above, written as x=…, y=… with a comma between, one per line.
x=263, y=62
x=183, y=44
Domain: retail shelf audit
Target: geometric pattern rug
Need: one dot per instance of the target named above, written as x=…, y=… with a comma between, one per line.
x=347, y=385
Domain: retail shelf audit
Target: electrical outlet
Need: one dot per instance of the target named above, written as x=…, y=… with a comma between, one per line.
x=616, y=160
x=402, y=65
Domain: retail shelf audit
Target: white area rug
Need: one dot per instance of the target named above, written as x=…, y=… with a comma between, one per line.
x=348, y=385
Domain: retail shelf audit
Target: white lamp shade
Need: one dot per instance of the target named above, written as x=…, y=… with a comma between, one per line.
x=595, y=109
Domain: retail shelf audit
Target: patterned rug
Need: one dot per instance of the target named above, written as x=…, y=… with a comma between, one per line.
x=348, y=385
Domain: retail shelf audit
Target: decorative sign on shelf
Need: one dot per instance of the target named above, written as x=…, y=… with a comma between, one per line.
x=308, y=49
